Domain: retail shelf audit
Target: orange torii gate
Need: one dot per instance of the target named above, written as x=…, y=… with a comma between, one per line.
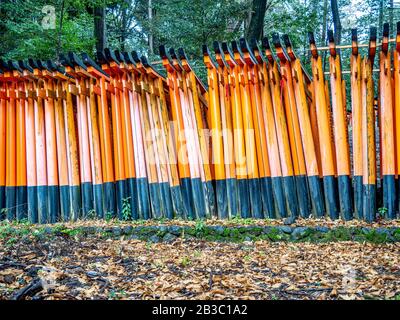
x=82, y=139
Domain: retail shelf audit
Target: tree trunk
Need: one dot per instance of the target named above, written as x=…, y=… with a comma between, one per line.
x=336, y=21
x=255, y=29
x=391, y=8
x=324, y=21
x=100, y=28
x=151, y=40
x=59, y=36
x=124, y=29
x=380, y=21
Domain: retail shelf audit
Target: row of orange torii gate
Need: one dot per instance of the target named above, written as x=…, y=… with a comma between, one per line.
x=264, y=139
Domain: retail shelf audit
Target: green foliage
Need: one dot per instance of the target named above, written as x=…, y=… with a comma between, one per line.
x=23, y=34
x=199, y=227
x=382, y=211
x=185, y=261
x=109, y=215
x=178, y=23
x=243, y=221
x=126, y=209
x=91, y=214
x=3, y=212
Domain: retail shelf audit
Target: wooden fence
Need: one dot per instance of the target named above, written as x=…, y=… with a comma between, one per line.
x=83, y=139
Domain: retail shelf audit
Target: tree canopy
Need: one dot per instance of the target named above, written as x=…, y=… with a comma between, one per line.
x=142, y=25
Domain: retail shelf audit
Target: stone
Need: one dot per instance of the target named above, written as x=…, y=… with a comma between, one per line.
x=154, y=239
x=116, y=231
x=219, y=229
x=92, y=274
x=48, y=230
x=91, y=230
x=386, y=232
x=127, y=230
x=108, y=229
x=299, y=233
x=383, y=231
x=134, y=237
x=267, y=230
x=169, y=237
x=175, y=230
x=162, y=229
x=286, y=229
x=322, y=229
x=99, y=229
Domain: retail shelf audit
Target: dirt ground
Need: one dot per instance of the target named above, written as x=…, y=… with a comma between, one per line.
x=69, y=267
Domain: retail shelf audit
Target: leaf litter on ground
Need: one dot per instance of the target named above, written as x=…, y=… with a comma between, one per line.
x=64, y=267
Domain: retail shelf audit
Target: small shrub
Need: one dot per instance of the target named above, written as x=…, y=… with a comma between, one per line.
x=91, y=214
x=185, y=261
x=199, y=227
x=126, y=209
x=109, y=215
x=382, y=211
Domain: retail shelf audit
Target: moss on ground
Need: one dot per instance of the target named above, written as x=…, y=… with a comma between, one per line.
x=11, y=233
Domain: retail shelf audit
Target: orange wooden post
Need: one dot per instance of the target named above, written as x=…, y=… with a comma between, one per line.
x=110, y=65
x=140, y=156
x=61, y=139
x=74, y=182
x=122, y=73
x=19, y=97
x=3, y=125
x=196, y=90
x=386, y=123
x=51, y=143
x=40, y=139
x=356, y=109
x=194, y=155
x=396, y=88
x=270, y=132
x=85, y=149
x=31, y=154
x=299, y=79
x=105, y=133
x=103, y=190
x=288, y=181
x=135, y=171
x=240, y=158
x=216, y=134
x=264, y=169
x=253, y=171
x=340, y=132
x=226, y=108
x=30, y=143
x=368, y=131
x=21, y=191
x=324, y=131
x=26, y=172
x=151, y=92
x=314, y=127
x=175, y=187
x=11, y=90
x=178, y=134
x=292, y=118
x=151, y=152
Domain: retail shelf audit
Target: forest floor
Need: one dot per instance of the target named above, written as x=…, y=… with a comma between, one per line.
x=70, y=265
